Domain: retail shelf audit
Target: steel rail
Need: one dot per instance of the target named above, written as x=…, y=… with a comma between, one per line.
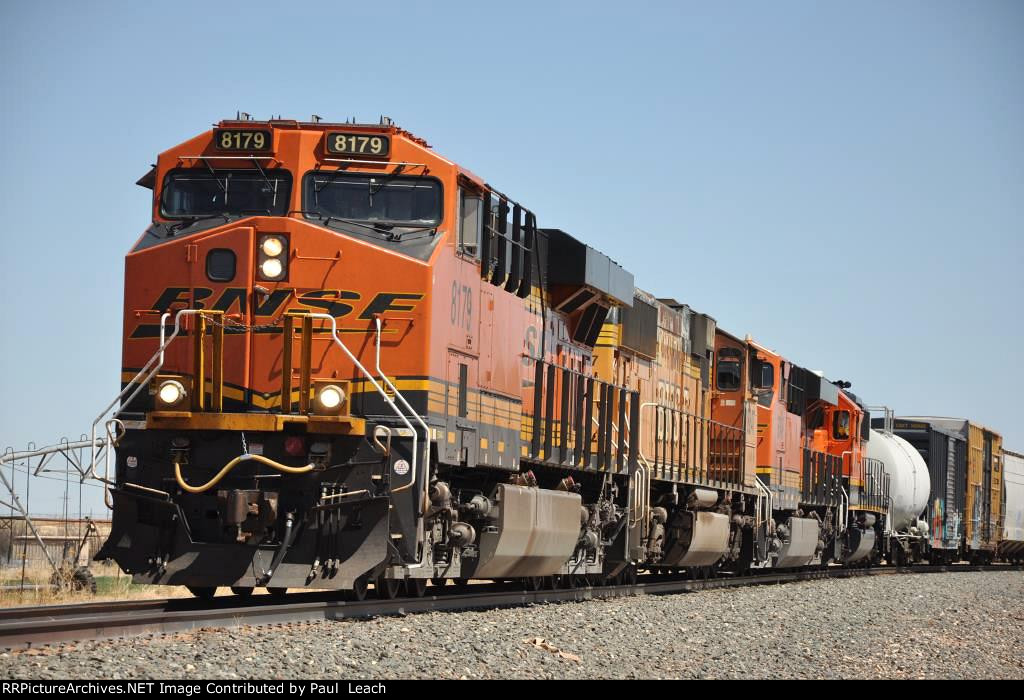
x=33, y=626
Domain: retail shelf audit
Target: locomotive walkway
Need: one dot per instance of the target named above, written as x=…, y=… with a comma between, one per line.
x=34, y=626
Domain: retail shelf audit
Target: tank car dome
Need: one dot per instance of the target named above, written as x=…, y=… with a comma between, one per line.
x=909, y=483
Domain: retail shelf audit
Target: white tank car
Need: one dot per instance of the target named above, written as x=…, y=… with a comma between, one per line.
x=909, y=483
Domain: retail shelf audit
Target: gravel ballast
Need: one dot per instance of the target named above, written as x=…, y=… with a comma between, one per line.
x=952, y=625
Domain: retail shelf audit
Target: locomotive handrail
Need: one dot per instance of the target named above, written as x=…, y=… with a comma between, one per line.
x=154, y=365
x=766, y=494
x=711, y=474
x=420, y=531
x=641, y=496
x=844, y=510
x=156, y=362
x=401, y=416
x=380, y=390
x=374, y=162
x=889, y=417
x=205, y=158
x=398, y=395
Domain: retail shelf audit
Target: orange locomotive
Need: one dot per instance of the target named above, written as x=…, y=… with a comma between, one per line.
x=348, y=359
x=827, y=499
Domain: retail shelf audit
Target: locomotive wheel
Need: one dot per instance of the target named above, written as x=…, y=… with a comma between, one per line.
x=629, y=575
x=415, y=587
x=277, y=591
x=202, y=592
x=387, y=588
x=242, y=591
x=440, y=582
x=358, y=591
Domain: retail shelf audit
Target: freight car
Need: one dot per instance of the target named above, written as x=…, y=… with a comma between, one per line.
x=906, y=536
x=964, y=514
x=1011, y=545
x=348, y=359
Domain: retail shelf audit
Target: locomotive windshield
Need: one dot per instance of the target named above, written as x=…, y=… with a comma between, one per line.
x=196, y=192
x=389, y=199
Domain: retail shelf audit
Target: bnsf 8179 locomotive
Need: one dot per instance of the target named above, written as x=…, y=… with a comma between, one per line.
x=348, y=360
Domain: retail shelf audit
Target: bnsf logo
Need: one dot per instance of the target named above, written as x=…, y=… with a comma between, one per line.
x=235, y=300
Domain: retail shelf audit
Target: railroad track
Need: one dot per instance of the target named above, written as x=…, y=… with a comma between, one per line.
x=33, y=626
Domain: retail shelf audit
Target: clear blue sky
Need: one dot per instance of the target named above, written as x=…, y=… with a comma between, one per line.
x=844, y=181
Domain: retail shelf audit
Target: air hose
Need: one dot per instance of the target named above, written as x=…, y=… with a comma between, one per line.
x=231, y=465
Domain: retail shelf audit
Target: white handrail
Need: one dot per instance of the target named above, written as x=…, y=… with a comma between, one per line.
x=156, y=362
x=844, y=511
x=416, y=416
x=421, y=534
x=380, y=390
x=767, y=493
x=154, y=365
x=642, y=496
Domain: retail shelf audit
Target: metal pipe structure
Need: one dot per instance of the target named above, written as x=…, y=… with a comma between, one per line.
x=420, y=533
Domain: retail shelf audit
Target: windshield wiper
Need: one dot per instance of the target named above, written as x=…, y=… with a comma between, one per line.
x=190, y=220
x=326, y=219
x=226, y=215
x=392, y=236
x=382, y=228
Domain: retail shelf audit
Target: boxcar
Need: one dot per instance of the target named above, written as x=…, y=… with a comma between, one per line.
x=1011, y=546
x=964, y=461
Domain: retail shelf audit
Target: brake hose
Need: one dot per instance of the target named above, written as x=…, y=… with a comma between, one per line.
x=231, y=465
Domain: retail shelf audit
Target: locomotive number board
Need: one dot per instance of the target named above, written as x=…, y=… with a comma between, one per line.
x=241, y=140
x=341, y=143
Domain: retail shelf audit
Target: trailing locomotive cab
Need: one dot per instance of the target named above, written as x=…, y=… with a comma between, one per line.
x=809, y=456
x=347, y=359
x=803, y=487
x=839, y=428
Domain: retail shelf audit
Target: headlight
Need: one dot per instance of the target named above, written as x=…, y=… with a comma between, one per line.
x=272, y=246
x=171, y=392
x=330, y=397
x=271, y=268
x=272, y=257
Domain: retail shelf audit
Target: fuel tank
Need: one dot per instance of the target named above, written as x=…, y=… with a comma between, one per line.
x=909, y=484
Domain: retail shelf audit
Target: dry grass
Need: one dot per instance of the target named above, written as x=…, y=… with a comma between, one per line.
x=111, y=584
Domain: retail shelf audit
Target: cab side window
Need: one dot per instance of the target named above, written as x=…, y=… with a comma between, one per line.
x=728, y=375
x=762, y=380
x=763, y=376
x=841, y=425
x=470, y=219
